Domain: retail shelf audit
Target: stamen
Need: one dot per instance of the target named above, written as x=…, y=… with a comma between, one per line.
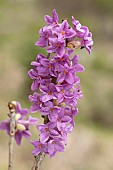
x=47, y=36
x=51, y=109
x=58, y=45
x=47, y=129
x=65, y=71
x=40, y=145
x=62, y=91
x=59, y=120
x=49, y=93
x=61, y=59
x=38, y=102
x=63, y=32
x=50, y=66
x=53, y=142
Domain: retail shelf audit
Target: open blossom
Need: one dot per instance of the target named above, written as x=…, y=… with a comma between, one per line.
x=56, y=85
x=37, y=102
x=47, y=131
x=48, y=92
x=62, y=119
x=55, y=145
x=84, y=34
x=21, y=124
x=64, y=31
x=57, y=45
x=39, y=147
x=53, y=20
x=66, y=74
x=45, y=34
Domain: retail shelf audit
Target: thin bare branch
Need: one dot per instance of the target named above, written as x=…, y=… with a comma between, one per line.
x=38, y=160
x=12, y=107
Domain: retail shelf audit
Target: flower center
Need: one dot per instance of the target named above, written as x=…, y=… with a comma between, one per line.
x=63, y=32
x=59, y=120
x=54, y=23
x=51, y=109
x=47, y=36
x=50, y=66
x=47, y=129
x=58, y=44
x=38, y=102
x=62, y=91
x=65, y=71
x=61, y=59
x=40, y=145
x=49, y=93
x=53, y=142
x=38, y=77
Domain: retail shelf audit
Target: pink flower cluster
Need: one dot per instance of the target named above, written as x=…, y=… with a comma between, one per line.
x=56, y=85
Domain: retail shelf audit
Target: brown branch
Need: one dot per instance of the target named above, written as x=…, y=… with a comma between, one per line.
x=12, y=106
x=39, y=158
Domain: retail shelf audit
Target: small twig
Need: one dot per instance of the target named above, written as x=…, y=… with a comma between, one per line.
x=39, y=158
x=12, y=106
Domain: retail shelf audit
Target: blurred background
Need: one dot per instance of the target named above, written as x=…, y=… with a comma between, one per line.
x=90, y=146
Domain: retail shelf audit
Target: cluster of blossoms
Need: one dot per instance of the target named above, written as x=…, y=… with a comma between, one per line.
x=55, y=84
x=21, y=123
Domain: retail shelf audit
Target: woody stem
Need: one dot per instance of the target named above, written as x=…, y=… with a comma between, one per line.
x=11, y=137
x=39, y=158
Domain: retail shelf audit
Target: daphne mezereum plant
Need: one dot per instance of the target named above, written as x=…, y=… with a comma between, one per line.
x=56, y=88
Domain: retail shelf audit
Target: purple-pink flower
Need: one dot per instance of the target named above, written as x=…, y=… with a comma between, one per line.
x=65, y=31
x=84, y=34
x=39, y=147
x=55, y=145
x=53, y=20
x=49, y=92
x=47, y=131
x=56, y=45
x=37, y=102
x=45, y=34
x=56, y=85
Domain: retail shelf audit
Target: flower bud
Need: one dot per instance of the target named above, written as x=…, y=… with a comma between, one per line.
x=20, y=127
x=73, y=44
x=18, y=116
x=12, y=105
